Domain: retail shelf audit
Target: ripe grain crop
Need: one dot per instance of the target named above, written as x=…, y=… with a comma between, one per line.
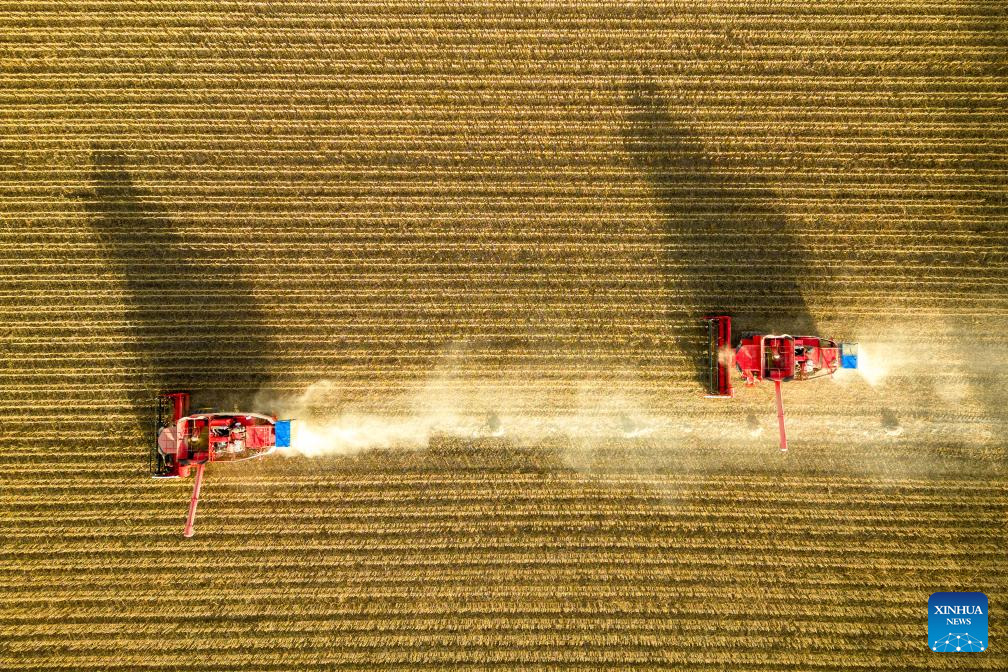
x=517, y=211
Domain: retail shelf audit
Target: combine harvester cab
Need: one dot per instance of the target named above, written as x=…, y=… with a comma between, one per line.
x=779, y=358
x=185, y=443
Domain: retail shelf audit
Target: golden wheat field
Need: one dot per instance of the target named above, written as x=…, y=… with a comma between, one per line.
x=469, y=245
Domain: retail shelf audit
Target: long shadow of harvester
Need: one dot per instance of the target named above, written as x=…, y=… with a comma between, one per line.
x=728, y=249
x=192, y=318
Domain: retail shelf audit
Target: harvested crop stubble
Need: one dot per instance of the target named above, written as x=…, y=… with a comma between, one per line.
x=515, y=211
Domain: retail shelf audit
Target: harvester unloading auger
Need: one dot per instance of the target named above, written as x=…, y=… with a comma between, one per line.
x=185, y=443
x=780, y=358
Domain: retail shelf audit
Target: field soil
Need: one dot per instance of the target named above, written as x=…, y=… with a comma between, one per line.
x=469, y=247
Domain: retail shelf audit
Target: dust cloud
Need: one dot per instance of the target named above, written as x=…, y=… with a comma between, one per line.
x=907, y=393
x=948, y=367
x=323, y=426
x=516, y=404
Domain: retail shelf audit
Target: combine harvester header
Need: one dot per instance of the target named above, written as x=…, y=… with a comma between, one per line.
x=780, y=358
x=186, y=443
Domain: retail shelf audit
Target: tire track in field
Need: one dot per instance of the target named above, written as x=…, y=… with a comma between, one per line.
x=182, y=312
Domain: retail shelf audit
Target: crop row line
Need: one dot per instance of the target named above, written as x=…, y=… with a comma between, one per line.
x=908, y=489
x=383, y=28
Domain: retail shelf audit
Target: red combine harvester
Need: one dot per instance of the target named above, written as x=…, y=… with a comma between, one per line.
x=780, y=358
x=187, y=442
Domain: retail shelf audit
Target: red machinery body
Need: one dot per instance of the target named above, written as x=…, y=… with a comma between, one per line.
x=778, y=358
x=785, y=358
x=187, y=442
